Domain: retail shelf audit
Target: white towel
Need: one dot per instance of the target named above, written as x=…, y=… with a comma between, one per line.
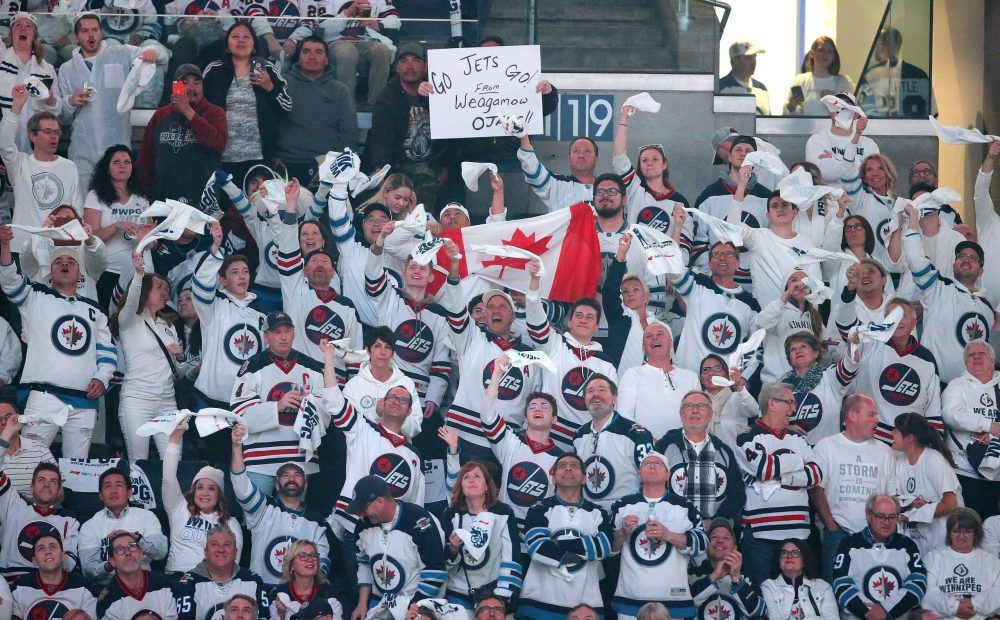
x=746, y=357
x=925, y=204
x=415, y=221
x=212, y=420
x=291, y=606
x=309, y=426
x=70, y=231
x=722, y=229
x=767, y=147
x=844, y=112
x=138, y=78
x=663, y=255
x=163, y=424
x=363, y=182
x=476, y=537
x=58, y=417
x=643, y=102
x=471, y=171
x=520, y=359
x=768, y=161
x=766, y=488
x=427, y=249
x=339, y=167
x=508, y=251
x=178, y=217
x=443, y=610
x=798, y=189
x=273, y=195
x=953, y=134
x=36, y=87
x=879, y=331
x=514, y=125
x=818, y=292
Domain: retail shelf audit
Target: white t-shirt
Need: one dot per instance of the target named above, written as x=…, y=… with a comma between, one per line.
x=833, y=168
x=930, y=478
x=118, y=248
x=852, y=472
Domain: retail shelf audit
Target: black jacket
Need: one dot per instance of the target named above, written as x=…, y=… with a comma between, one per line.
x=270, y=105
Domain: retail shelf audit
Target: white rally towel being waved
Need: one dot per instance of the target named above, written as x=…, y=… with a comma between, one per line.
x=925, y=204
x=207, y=421
x=643, y=102
x=798, y=189
x=178, y=217
x=565, y=241
x=953, y=134
x=767, y=161
x=138, y=78
x=471, y=171
x=70, y=231
x=723, y=230
x=58, y=417
x=309, y=426
x=844, y=112
x=477, y=536
x=415, y=221
x=879, y=331
x=663, y=255
x=520, y=359
x=745, y=358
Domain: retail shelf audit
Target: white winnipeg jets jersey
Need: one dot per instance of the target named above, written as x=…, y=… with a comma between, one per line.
x=718, y=319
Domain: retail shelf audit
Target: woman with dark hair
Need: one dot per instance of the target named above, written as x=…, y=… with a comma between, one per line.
x=302, y=584
x=483, y=544
x=975, y=593
x=733, y=408
x=113, y=208
x=193, y=514
x=253, y=94
x=150, y=351
x=924, y=481
x=795, y=591
x=820, y=77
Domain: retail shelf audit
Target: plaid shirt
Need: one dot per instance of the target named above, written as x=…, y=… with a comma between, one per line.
x=701, y=482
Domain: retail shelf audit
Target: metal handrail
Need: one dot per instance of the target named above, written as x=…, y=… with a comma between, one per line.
x=726, y=10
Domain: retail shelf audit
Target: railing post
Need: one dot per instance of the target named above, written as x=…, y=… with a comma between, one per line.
x=532, y=17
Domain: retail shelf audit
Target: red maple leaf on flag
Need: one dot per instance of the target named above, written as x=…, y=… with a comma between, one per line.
x=525, y=242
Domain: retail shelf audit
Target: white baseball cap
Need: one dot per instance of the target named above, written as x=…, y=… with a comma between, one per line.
x=744, y=48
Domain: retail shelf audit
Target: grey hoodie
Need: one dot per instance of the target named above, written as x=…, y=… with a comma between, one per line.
x=323, y=118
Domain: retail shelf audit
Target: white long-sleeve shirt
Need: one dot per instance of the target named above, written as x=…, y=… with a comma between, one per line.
x=94, y=544
x=953, y=576
x=364, y=392
x=10, y=352
x=652, y=397
x=148, y=373
x=840, y=147
x=988, y=228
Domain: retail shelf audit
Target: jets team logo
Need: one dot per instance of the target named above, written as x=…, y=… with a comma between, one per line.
x=600, y=477
x=30, y=533
x=899, y=385
x=986, y=400
x=526, y=483
x=118, y=22
x=645, y=550
x=750, y=220
x=197, y=8
x=719, y=607
x=655, y=218
x=720, y=333
x=882, y=232
x=880, y=583
x=480, y=539
x=367, y=401
x=274, y=554
x=414, y=341
x=971, y=326
x=242, y=343
x=961, y=570
x=47, y=609
x=809, y=413
x=47, y=190
x=388, y=574
x=396, y=472
x=679, y=478
x=511, y=384
x=322, y=322
x=71, y=335
x=911, y=484
x=271, y=254
x=216, y=612
x=286, y=417
x=572, y=386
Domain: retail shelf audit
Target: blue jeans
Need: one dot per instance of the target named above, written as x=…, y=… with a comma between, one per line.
x=831, y=540
x=759, y=556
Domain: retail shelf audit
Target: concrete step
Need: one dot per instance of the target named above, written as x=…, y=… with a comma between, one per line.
x=604, y=34
x=582, y=9
x=602, y=59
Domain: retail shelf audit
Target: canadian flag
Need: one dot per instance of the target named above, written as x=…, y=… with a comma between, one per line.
x=565, y=240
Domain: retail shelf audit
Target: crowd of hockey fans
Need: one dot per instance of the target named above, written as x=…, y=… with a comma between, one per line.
x=799, y=417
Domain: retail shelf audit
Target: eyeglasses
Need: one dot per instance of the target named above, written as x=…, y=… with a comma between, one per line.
x=50, y=132
x=611, y=191
x=787, y=401
x=570, y=464
x=539, y=407
x=921, y=172
x=790, y=553
x=392, y=398
x=853, y=227
x=963, y=531
x=722, y=255
x=490, y=610
x=695, y=407
x=305, y=555
x=123, y=549
x=715, y=368
x=882, y=517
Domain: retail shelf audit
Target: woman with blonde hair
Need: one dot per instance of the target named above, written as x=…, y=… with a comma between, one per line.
x=820, y=77
x=483, y=545
x=396, y=192
x=653, y=611
x=21, y=60
x=302, y=582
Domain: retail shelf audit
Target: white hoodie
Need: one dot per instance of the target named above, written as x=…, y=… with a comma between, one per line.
x=364, y=392
x=968, y=407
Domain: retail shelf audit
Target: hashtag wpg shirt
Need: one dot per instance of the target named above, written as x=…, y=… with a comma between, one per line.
x=852, y=472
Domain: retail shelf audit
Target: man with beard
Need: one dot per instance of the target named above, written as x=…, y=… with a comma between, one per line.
x=133, y=589
x=401, y=129
x=203, y=593
x=610, y=445
x=97, y=123
x=720, y=589
x=275, y=522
